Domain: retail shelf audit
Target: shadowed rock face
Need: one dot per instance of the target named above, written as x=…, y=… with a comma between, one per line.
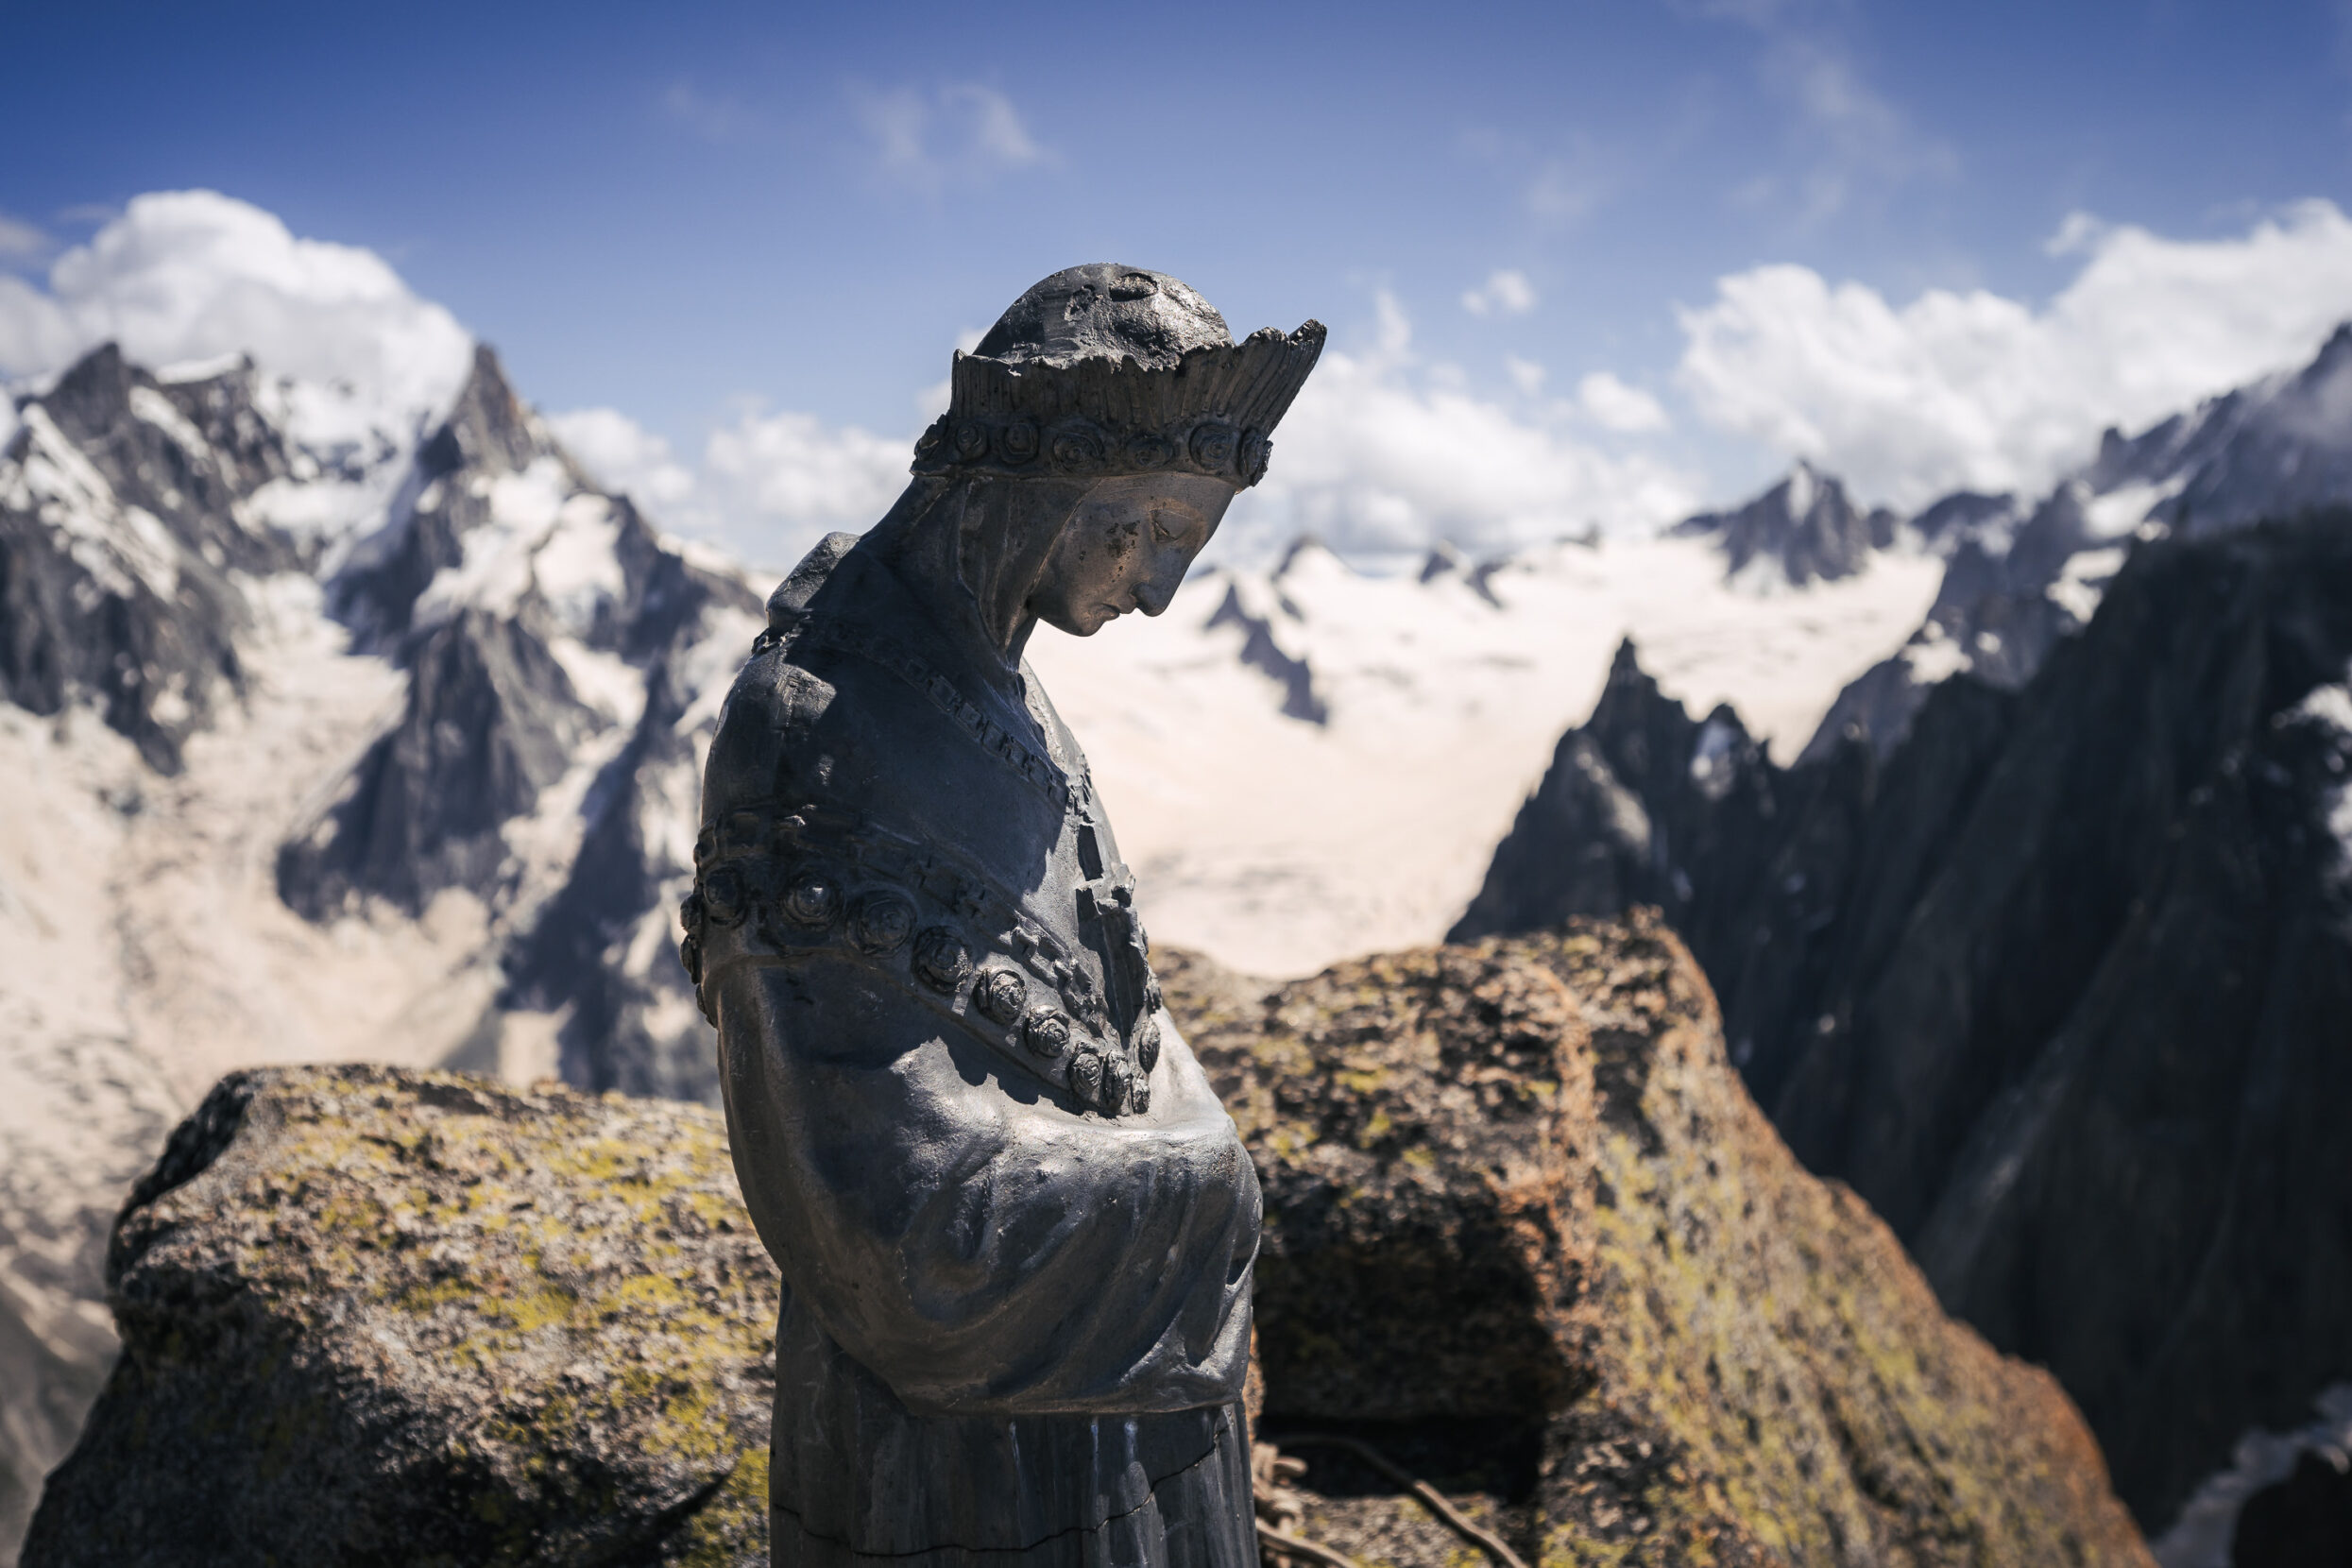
x=372, y=1317
x=1526, y=1233
x=2302, y=1522
x=2062, y=988
x=1524, y=1228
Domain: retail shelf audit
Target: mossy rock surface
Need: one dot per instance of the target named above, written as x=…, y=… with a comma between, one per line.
x=1524, y=1232
x=1528, y=1234
x=380, y=1317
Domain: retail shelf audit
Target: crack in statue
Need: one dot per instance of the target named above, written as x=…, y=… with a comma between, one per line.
x=1015, y=1226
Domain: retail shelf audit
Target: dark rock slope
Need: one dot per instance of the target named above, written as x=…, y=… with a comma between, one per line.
x=1525, y=1230
x=501, y=572
x=2064, y=989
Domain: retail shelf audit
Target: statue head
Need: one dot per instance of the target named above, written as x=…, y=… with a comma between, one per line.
x=1095, y=436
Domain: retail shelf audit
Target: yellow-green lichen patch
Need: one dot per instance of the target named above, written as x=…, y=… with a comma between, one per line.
x=1479, y=1157
x=542, y=1320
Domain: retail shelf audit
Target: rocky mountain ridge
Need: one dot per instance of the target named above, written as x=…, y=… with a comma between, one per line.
x=2059, y=986
x=2022, y=576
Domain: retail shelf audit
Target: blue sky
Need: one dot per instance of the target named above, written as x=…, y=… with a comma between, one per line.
x=693, y=214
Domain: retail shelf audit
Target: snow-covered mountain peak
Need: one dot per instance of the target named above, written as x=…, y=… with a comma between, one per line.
x=2024, y=576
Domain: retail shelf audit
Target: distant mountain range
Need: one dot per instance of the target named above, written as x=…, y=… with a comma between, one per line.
x=2045, y=944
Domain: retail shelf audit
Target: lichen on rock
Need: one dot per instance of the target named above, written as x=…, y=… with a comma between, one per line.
x=376, y=1317
x=1526, y=1231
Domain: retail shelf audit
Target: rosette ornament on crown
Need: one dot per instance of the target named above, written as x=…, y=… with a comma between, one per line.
x=1106, y=369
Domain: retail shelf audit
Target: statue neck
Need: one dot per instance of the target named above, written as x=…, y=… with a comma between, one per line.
x=971, y=553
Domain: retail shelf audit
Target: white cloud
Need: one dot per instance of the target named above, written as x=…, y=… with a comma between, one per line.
x=790, y=477
x=623, y=455
x=1613, y=405
x=1378, y=456
x=767, y=486
x=963, y=133
x=1978, y=390
x=21, y=241
x=193, y=275
x=1526, y=374
x=1506, y=292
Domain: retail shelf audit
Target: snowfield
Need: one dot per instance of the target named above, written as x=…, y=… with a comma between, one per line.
x=1279, y=845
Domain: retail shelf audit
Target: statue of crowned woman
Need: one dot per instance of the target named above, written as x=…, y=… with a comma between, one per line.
x=1015, y=1224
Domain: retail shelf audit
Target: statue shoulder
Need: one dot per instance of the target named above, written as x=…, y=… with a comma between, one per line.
x=771, y=705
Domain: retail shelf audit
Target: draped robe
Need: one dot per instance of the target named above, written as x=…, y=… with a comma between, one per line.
x=1016, y=1261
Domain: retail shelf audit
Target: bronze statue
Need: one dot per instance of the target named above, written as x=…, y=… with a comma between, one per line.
x=1015, y=1226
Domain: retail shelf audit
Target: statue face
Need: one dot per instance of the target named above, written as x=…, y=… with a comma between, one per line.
x=1127, y=547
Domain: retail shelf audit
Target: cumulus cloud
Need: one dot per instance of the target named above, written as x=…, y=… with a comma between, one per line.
x=193, y=275
x=1613, y=405
x=961, y=133
x=1977, y=390
x=1379, y=455
x=623, y=455
x=766, y=485
x=1506, y=292
x=791, y=477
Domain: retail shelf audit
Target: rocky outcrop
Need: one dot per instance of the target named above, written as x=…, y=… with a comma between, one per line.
x=1524, y=1232
x=1528, y=1234
x=1260, y=651
x=374, y=1317
x=502, y=572
x=2061, y=988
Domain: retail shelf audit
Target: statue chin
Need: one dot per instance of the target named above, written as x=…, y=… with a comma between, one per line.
x=1016, y=1225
